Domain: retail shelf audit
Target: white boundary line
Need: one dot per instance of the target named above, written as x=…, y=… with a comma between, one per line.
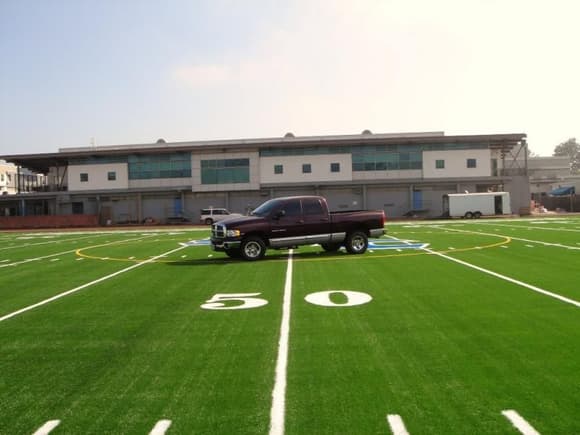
x=28, y=260
x=397, y=425
x=47, y=427
x=506, y=278
x=535, y=227
x=519, y=422
x=76, y=289
x=277, y=413
x=557, y=245
x=49, y=242
x=160, y=427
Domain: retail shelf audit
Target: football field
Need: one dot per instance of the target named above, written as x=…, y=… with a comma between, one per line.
x=442, y=327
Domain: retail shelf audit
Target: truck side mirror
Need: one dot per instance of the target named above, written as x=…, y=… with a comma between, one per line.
x=279, y=214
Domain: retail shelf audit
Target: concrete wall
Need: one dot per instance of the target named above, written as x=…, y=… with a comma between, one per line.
x=404, y=174
x=456, y=164
x=76, y=220
x=320, y=165
x=98, y=177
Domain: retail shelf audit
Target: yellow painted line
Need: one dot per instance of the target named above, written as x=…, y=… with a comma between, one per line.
x=506, y=240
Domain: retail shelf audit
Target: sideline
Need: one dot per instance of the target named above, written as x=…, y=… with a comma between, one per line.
x=506, y=278
x=557, y=245
x=277, y=413
x=28, y=260
x=47, y=243
x=76, y=289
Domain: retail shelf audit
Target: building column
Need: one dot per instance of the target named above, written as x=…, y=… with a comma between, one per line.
x=364, y=197
x=139, y=208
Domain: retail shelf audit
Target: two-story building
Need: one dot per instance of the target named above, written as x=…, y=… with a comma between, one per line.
x=403, y=174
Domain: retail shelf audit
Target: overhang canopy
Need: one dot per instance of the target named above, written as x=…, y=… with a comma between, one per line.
x=563, y=191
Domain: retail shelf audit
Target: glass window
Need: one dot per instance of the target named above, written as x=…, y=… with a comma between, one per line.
x=306, y=168
x=111, y=176
x=312, y=207
x=225, y=171
x=471, y=163
x=278, y=169
x=439, y=164
x=171, y=165
x=84, y=177
x=292, y=208
x=335, y=167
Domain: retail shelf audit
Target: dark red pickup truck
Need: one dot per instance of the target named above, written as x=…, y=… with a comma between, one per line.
x=294, y=221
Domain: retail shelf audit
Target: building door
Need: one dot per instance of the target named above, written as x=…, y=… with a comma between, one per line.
x=498, y=203
x=417, y=200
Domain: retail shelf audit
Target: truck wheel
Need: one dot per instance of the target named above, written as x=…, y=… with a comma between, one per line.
x=233, y=253
x=477, y=215
x=253, y=248
x=208, y=221
x=330, y=247
x=468, y=215
x=356, y=242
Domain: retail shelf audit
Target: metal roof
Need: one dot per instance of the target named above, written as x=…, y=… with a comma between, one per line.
x=42, y=162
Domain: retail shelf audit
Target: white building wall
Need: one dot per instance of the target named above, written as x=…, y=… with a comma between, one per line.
x=160, y=182
x=97, y=177
x=456, y=164
x=320, y=165
x=254, y=183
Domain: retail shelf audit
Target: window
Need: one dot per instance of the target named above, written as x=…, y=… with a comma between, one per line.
x=147, y=167
x=335, y=167
x=278, y=169
x=225, y=171
x=306, y=168
x=2, y=177
x=292, y=208
x=111, y=176
x=84, y=177
x=312, y=207
x=439, y=164
x=471, y=163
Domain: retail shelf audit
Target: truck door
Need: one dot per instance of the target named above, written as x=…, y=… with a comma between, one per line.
x=287, y=228
x=316, y=226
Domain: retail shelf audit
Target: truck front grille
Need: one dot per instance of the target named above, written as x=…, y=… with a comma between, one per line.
x=218, y=231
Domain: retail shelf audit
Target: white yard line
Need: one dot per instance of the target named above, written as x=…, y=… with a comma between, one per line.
x=519, y=422
x=397, y=425
x=160, y=427
x=47, y=243
x=47, y=427
x=506, y=278
x=535, y=227
x=557, y=245
x=277, y=413
x=76, y=289
x=28, y=260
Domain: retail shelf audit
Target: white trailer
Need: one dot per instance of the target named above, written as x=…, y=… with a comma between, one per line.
x=475, y=205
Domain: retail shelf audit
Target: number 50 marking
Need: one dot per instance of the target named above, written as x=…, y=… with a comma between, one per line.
x=222, y=301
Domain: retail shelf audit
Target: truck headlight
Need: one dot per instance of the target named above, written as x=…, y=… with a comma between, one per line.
x=233, y=233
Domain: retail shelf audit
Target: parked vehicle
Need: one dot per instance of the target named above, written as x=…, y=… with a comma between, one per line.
x=475, y=205
x=211, y=215
x=294, y=221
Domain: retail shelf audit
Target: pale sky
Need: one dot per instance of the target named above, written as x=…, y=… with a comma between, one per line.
x=133, y=71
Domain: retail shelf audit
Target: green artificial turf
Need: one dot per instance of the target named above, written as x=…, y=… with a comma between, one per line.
x=443, y=345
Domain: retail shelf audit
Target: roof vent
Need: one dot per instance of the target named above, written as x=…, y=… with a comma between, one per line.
x=367, y=132
x=289, y=134
x=160, y=140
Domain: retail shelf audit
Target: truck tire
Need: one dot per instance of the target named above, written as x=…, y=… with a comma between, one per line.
x=233, y=253
x=208, y=221
x=356, y=242
x=253, y=248
x=468, y=215
x=330, y=247
x=477, y=215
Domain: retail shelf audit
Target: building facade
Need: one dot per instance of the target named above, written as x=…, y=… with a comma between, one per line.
x=404, y=174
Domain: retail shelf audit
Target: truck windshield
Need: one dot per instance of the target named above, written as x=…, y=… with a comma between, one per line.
x=266, y=208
